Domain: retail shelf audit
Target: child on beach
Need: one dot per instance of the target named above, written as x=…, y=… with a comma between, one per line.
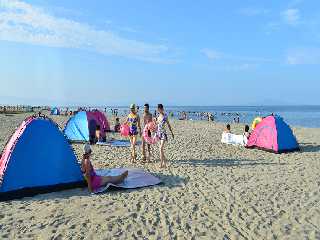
x=95, y=181
x=147, y=118
x=117, y=125
x=133, y=120
x=162, y=121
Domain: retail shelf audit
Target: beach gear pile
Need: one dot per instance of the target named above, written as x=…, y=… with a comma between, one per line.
x=83, y=125
x=37, y=159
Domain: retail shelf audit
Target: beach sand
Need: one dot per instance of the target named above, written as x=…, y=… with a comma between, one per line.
x=210, y=191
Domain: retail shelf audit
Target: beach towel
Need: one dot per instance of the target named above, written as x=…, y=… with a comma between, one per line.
x=234, y=139
x=137, y=178
x=117, y=143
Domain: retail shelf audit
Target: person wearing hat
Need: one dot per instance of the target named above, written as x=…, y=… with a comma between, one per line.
x=95, y=181
x=133, y=121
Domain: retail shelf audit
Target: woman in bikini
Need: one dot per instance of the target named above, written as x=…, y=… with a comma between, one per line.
x=133, y=120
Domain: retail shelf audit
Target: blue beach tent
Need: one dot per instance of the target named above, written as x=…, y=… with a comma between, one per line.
x=37, y=159
x=76, y=128
x=82, y=126
x=55, y=111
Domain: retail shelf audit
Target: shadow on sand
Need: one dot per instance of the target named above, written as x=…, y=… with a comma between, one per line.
x=224, y=162
x=169, y=181
x=309, y=147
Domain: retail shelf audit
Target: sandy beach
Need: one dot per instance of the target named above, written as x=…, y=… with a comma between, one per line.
x=210, y=191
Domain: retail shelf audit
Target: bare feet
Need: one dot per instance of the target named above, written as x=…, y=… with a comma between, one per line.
x=124, y=175
x=119, y=179
x=163, y=165
x=133, y=158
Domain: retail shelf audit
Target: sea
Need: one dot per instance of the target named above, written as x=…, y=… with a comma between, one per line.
x=299, y=116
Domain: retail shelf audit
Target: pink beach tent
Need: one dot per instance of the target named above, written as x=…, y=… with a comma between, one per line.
x=274, y=135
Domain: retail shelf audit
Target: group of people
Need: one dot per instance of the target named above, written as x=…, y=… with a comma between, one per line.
x=135, y=129
x=159, y=118
x=95, y=181
x=246, y=132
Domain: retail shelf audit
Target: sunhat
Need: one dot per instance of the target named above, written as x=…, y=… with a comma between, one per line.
x=87, y=149
x=132, y=106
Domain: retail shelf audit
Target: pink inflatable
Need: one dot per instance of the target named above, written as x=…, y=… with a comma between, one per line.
x=124, y=130
x=150, y=128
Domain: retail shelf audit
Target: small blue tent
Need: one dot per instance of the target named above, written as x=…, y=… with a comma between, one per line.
x=82, y=126
x=55, y=111
x=77, y=128
x=37, y=159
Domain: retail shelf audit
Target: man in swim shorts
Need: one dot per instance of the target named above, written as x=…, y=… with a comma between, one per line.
x=147, y=117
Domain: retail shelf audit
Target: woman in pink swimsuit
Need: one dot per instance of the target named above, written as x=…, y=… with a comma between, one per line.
x=95, y=181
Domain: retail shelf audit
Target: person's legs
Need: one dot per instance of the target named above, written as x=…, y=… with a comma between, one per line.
x=133, y=145
x=162, y=157
x=131, y=148
x=113, y=179
x=149, y=152
x=144, y=151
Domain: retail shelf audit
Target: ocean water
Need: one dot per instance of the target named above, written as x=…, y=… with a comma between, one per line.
x=302, y=116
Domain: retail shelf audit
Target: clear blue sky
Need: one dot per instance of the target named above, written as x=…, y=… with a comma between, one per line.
x=101, y=52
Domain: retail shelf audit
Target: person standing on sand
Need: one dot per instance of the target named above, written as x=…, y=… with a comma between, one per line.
x=133, y=120
x=162, y=121
x=95, y=181
x=147, y=118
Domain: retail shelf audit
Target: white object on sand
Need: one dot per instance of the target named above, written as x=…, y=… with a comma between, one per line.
x=234, y=139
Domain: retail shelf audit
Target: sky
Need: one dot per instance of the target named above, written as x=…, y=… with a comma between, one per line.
x=103, y=52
